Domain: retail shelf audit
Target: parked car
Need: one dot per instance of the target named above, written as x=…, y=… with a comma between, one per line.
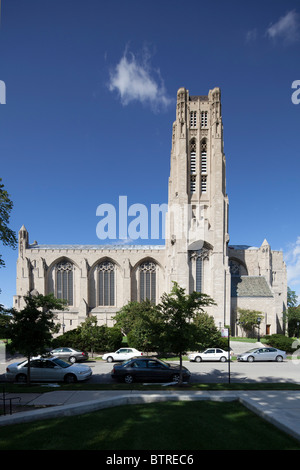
x=121, y=355
x=51, y=369
x=148, y=369
x=70, y=354
x=262, y=354
x=211, y=354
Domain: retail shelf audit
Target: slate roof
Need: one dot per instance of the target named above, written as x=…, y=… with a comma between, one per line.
x=250, y=286
x=96, y=247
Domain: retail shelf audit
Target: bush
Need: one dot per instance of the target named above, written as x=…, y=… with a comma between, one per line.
x=108, y=339
x=279, y=341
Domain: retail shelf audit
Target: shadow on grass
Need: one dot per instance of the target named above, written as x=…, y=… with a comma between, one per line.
x=201, y=425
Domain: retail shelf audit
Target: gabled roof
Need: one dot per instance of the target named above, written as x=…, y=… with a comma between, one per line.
x=250, y=286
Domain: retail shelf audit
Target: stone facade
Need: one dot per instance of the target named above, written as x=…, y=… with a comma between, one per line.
x=99, y=280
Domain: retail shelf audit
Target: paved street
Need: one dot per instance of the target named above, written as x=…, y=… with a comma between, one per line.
x=209, y=372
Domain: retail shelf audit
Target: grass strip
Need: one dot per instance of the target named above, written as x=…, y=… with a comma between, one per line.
x=201, y=425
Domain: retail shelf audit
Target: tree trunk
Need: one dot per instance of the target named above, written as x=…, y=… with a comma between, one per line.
x=180, y=369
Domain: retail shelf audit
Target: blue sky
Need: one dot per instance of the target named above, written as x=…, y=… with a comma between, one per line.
x=90, y=102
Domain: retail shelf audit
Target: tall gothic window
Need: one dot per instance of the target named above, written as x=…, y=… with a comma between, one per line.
x=106, y=283
x=199, y=272
x=197, y=257
x=204, y=119
x=193, y=119
x=203, y=166
x=147, y=275
x=64, y=281
x=193, y=166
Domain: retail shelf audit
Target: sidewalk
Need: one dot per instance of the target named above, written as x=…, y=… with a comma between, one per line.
x=281, y=408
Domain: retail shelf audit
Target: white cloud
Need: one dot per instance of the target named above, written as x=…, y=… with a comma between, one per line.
x=251, y=35
x=286, y=28
x=292, y=259
x=137, y=81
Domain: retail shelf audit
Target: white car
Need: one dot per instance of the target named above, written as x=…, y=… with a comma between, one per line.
x=211, y=354
x=121, y=355
x=51, y=369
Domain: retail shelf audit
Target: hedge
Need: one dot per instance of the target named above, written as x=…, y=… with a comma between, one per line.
x=280, y=342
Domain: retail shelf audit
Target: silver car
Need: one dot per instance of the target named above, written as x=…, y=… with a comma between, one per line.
x=262, y=354
x=70, y=354
x=51, y=369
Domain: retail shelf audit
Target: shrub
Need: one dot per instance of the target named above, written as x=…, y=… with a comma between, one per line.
x=279, y=341
x=108, y=339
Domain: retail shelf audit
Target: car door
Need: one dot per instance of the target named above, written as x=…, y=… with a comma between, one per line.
x=261, y=354
x=52, y=371
x=156, y=370
x=36, y=370
x=122, y=354
x=139, y=369
x=210, y=355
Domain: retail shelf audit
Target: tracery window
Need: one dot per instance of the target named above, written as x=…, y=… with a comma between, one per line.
x=203, y=156
x=204, y=118
x=193, y=166
x=147, y=276
x=193, y=119
x=106, y=283
x=64, y=281
x=203, y=183
x=203, y=150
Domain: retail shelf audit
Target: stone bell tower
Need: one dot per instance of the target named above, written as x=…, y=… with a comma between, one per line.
x=197, y=219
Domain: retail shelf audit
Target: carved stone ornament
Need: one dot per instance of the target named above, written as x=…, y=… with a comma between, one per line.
x=199, y=254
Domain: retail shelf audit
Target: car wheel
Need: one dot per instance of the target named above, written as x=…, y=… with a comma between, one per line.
x=109, y=359
x=176, y=378
x=198, y=359
x=223, y=359
x=21, y=378
x=128, y=379
x=72, y=359
x=279, y=359
x=250, y=359
x=70, y=379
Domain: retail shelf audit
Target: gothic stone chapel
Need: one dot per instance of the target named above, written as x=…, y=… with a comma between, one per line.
x=99, y=279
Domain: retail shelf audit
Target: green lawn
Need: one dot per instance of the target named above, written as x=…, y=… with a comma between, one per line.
x=200, y=425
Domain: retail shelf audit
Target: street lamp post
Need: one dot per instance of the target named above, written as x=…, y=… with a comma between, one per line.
x=258, y=322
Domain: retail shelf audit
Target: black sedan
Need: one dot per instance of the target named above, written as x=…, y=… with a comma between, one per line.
x=148, y=369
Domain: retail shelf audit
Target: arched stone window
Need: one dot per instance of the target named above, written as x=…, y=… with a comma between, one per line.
x=64, y=286
x=203, y=149
x=106, y=284
x=193, y=164
x=147, y=281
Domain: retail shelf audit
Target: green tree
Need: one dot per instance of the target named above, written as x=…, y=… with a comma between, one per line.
x=293, y=313
x=292, y=298
x=90, y=333
x=138, y=321
x=207, y=334
x=177, y=310
x=249, y=319
x=30, y=330
x=7, y=236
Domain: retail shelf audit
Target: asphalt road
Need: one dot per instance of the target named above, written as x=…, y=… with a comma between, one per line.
x=208, y=372
x=216, y=372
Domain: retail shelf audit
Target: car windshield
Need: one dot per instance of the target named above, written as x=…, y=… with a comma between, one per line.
x=251, y=350
x=61, y=363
